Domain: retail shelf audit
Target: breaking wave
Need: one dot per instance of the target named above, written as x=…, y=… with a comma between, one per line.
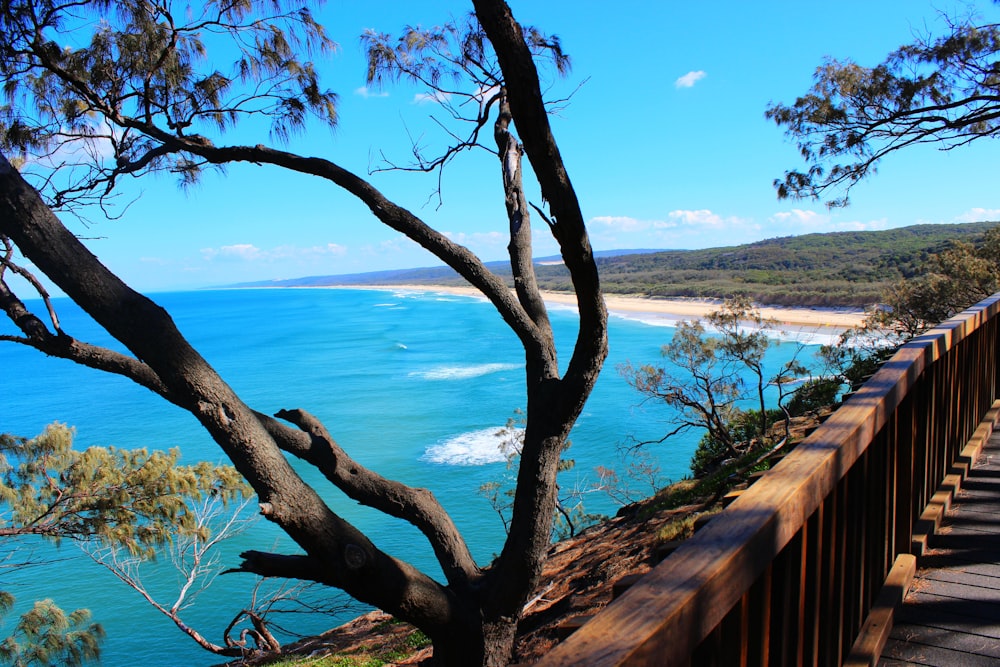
x=475, y=448
x=462, y=372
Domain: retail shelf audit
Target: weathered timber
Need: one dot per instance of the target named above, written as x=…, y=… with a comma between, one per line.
x=788, y=573
x=951, y=617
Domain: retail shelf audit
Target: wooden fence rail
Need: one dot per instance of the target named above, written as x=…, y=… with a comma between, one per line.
x=788, y=573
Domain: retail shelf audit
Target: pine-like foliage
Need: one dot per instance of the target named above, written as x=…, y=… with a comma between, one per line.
x=940, y=90
x=46, y=635
x=134, y=500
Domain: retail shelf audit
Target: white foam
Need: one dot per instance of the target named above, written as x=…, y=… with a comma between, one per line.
x=462, y=372
x=649, y=319
x=805, y=335
x=488, y=445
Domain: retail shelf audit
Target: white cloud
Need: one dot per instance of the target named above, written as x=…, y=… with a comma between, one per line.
x=436, y=97
x=800, y=216
x=247, y=252
x=620, y=223
x=478, y=239
x=689, y=79
x=698, y=228
x=396, y=244
x=979, y=215
x=78, y=150
x=239, y=251
x=859, y=225
x=366, y=92
x=483, y=95
x=802, y=221
x=703, y=218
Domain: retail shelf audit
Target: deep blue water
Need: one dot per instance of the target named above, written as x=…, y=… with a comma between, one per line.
x=414, y=385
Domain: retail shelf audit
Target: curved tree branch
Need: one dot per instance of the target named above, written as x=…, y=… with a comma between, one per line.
x=458, y=257
x=352, y=562
x=64, y=346
x=531, y=118
x=560, y=401
x=521, y=260
x=417, y=506
x=943, y=91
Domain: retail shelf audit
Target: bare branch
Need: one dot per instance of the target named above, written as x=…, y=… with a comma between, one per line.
x=7, y=263
x=417, y=506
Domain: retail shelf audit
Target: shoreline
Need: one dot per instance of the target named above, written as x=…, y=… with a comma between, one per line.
x=829, y=321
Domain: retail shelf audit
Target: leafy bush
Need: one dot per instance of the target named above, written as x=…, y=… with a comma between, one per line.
x=813, y=395
x=744, y=427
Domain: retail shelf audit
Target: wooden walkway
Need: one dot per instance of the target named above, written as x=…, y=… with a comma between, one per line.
x=951, y=616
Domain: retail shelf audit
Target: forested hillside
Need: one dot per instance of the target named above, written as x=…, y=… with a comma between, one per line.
x=836, y=269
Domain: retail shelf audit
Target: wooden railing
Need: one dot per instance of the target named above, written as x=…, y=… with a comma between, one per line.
x=789, y=572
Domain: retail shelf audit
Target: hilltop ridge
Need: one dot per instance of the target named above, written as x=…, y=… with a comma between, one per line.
x=836, y=269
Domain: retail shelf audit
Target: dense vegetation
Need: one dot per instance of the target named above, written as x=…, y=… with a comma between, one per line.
x=835, y=269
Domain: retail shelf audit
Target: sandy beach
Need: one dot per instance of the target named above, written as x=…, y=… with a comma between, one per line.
x=823, y=320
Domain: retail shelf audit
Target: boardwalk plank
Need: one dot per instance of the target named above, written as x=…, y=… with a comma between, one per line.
x=946, y=638
x=969, y=522
x=960, y=576
x=985, y=600
x=944, y=613
x=923, y=654
x=951, y=618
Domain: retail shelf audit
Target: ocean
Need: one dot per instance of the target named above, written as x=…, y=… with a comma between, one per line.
x=415, y=385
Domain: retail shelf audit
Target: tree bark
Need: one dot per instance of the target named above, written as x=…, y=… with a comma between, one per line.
x=340, y=554
x=473, y=619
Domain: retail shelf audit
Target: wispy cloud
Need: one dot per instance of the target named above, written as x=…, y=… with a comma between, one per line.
x=366, y=92
x=696, y=228
x=248, y=252
x=478, y=238
x=702, y=218
x=620, y=223
x=803, y=221
x=979, y=215
x=801, y=218
x=875, y=225
x=689, y=79
x=436, y=97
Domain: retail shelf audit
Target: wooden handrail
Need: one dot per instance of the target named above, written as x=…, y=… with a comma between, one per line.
x=788, y=572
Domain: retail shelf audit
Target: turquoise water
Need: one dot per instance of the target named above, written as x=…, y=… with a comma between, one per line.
x=413, y=384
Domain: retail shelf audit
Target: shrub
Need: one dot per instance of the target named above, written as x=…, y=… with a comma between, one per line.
x=813, y=395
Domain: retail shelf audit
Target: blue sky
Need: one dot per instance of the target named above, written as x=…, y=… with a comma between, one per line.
x=665, y=140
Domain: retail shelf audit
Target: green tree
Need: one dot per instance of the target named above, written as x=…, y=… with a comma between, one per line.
x=703, y=378
x=953, y=280
x=500, y=493
x=197, y=562
x=948, y=283
x=711, y=373
x=130, y=501
x=136, y=499
x=140, y=88
x=939, y=90
x=45, y=635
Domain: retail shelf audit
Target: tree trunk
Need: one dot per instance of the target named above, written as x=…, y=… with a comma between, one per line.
x=488, y=644
x=473, y=619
